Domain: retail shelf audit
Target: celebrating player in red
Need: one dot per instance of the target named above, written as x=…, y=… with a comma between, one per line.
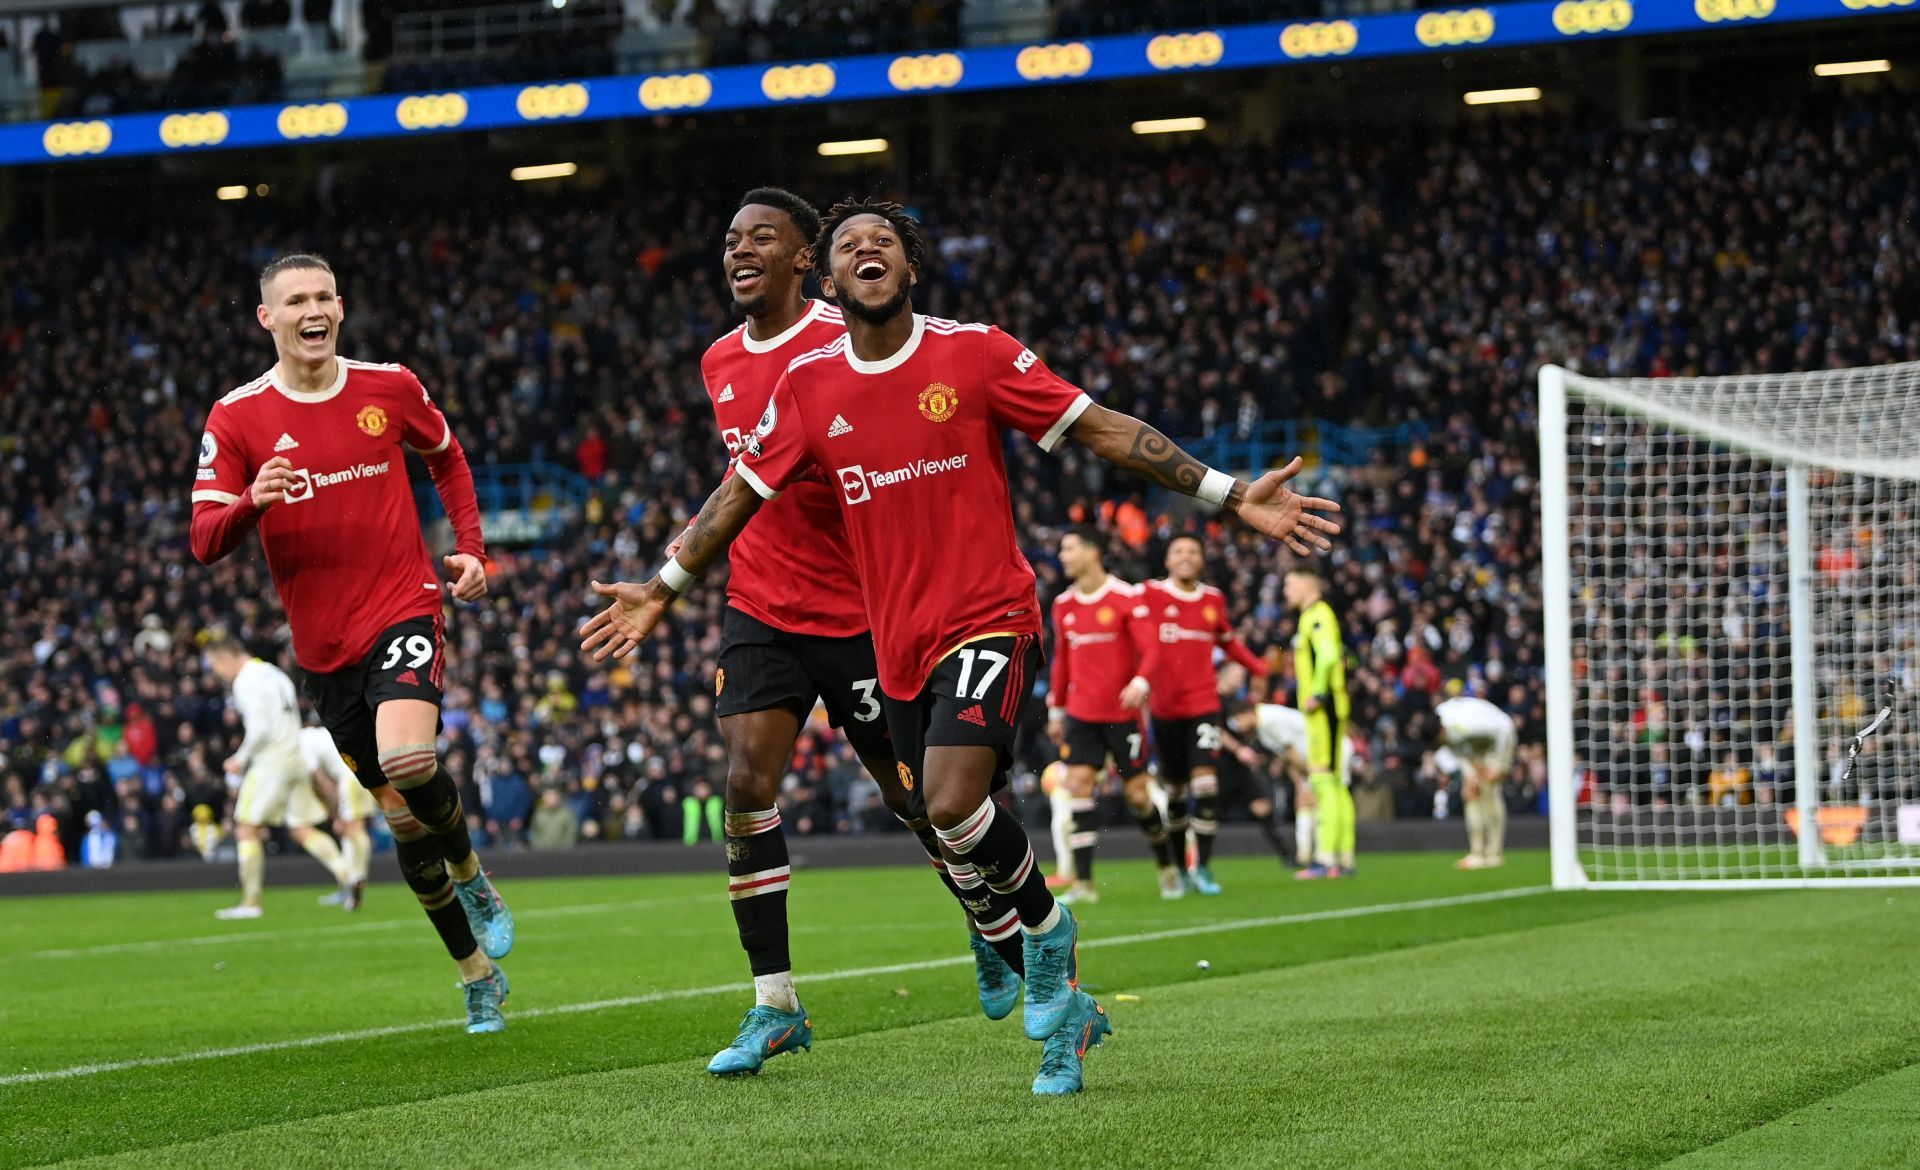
x=1186, y=620
x=313, y=454
x=1097, y=647
x=796, y=633
x=906, y=415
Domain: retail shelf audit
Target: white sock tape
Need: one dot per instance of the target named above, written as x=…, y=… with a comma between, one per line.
x=1214, y=487
x=674, y=577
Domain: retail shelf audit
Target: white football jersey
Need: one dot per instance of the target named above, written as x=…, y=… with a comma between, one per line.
x=316, y=745
x=1475, y=727
x=269, y=711
x=1280, y=729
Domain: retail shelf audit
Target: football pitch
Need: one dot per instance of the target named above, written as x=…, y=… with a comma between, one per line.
x=1413, y=1016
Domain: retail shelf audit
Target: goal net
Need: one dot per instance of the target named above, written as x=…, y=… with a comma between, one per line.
x=1732, y=582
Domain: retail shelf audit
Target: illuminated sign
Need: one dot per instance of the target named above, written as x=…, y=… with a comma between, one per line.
x=1592, y=16
x=926, y=71
x=676, y=91
x=788, y=82
x=1185, y=50
x=431, y=111
x=1328, y=38
x=1051, y=62
x=538, y=103
x=1466, y=26
x=66, y=139
x=1714, y=11
x=320, y=120
x=208, y=129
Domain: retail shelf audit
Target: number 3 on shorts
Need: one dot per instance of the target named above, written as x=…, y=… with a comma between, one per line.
x=869, y=708
x=419, y=647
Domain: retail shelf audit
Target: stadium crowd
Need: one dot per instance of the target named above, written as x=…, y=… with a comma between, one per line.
x=1386, y=276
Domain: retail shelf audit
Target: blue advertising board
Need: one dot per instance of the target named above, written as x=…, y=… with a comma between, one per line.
x=851, y=79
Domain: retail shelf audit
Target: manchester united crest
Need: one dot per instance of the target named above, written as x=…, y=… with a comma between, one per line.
x=939, y=401
x=1209, y=613
x=906, y=775
x=719, y=681
x=1106, y=615
x=352, y=764
x=372, y=420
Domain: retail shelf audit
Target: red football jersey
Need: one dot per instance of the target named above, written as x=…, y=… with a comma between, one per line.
x=345, y=547
x=1095, y=652
x=792, y=567
x=914, y=442
x=1183, y=629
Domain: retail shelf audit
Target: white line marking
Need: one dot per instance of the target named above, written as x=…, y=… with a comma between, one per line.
x=214, y=940
x=597, y=1005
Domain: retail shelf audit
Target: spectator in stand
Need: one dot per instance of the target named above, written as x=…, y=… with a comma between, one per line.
x=555, y=823
x=101, y=846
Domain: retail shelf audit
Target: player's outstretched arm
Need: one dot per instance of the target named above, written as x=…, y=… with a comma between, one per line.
x=637, y=608
x=1266, y=505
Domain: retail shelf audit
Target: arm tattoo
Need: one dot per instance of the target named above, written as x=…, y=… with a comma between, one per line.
x=1156, y=457
x=721, y=518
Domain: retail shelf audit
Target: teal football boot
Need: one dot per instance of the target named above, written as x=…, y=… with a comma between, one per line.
x=765, y=1032
x=1066, y=1052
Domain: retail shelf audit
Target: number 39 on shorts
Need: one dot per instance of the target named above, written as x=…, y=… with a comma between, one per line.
x=417, y=649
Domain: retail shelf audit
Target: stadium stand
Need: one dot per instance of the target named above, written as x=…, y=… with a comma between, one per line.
x=95, y=60
x=1386, y=278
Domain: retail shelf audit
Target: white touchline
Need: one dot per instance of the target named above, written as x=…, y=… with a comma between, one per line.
x=321, y=932
x=600, y=1005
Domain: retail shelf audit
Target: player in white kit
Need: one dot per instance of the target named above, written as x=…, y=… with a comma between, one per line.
x=1476, y=739
x=1282, y=731
x=352, y=805
x=276, y=784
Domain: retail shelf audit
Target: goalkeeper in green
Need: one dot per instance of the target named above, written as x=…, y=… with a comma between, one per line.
x=1320, y=675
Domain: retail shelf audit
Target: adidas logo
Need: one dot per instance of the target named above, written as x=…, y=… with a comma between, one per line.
x=726, y=393
x=840, y=427
x=286, y=442
x=975, y=716
x=407, y=678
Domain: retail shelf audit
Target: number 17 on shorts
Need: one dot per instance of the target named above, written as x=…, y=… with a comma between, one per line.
x=979, y=690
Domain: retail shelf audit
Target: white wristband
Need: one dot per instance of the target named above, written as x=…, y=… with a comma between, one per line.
x=1142, y=680
x=674, y=577
x=1054, y=714
x=1214, y=487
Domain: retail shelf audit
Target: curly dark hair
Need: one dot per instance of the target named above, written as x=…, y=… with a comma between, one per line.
x=805, y=217
x=911, y=238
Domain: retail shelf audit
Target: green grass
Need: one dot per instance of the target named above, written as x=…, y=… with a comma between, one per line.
x=1594, y=1029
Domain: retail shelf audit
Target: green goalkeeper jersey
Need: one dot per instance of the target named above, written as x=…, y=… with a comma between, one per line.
x=1320, y=660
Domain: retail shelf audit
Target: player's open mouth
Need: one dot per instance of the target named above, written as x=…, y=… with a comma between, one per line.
x=314, y=333
x=746, y=276
x=870, y=270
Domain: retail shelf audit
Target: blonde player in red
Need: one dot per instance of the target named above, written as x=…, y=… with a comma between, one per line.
x=312, y=453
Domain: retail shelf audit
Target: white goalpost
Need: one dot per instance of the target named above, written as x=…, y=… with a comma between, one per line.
x=1732, y=596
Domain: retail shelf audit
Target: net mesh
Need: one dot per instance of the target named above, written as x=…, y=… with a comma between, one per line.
x=1679, y=532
